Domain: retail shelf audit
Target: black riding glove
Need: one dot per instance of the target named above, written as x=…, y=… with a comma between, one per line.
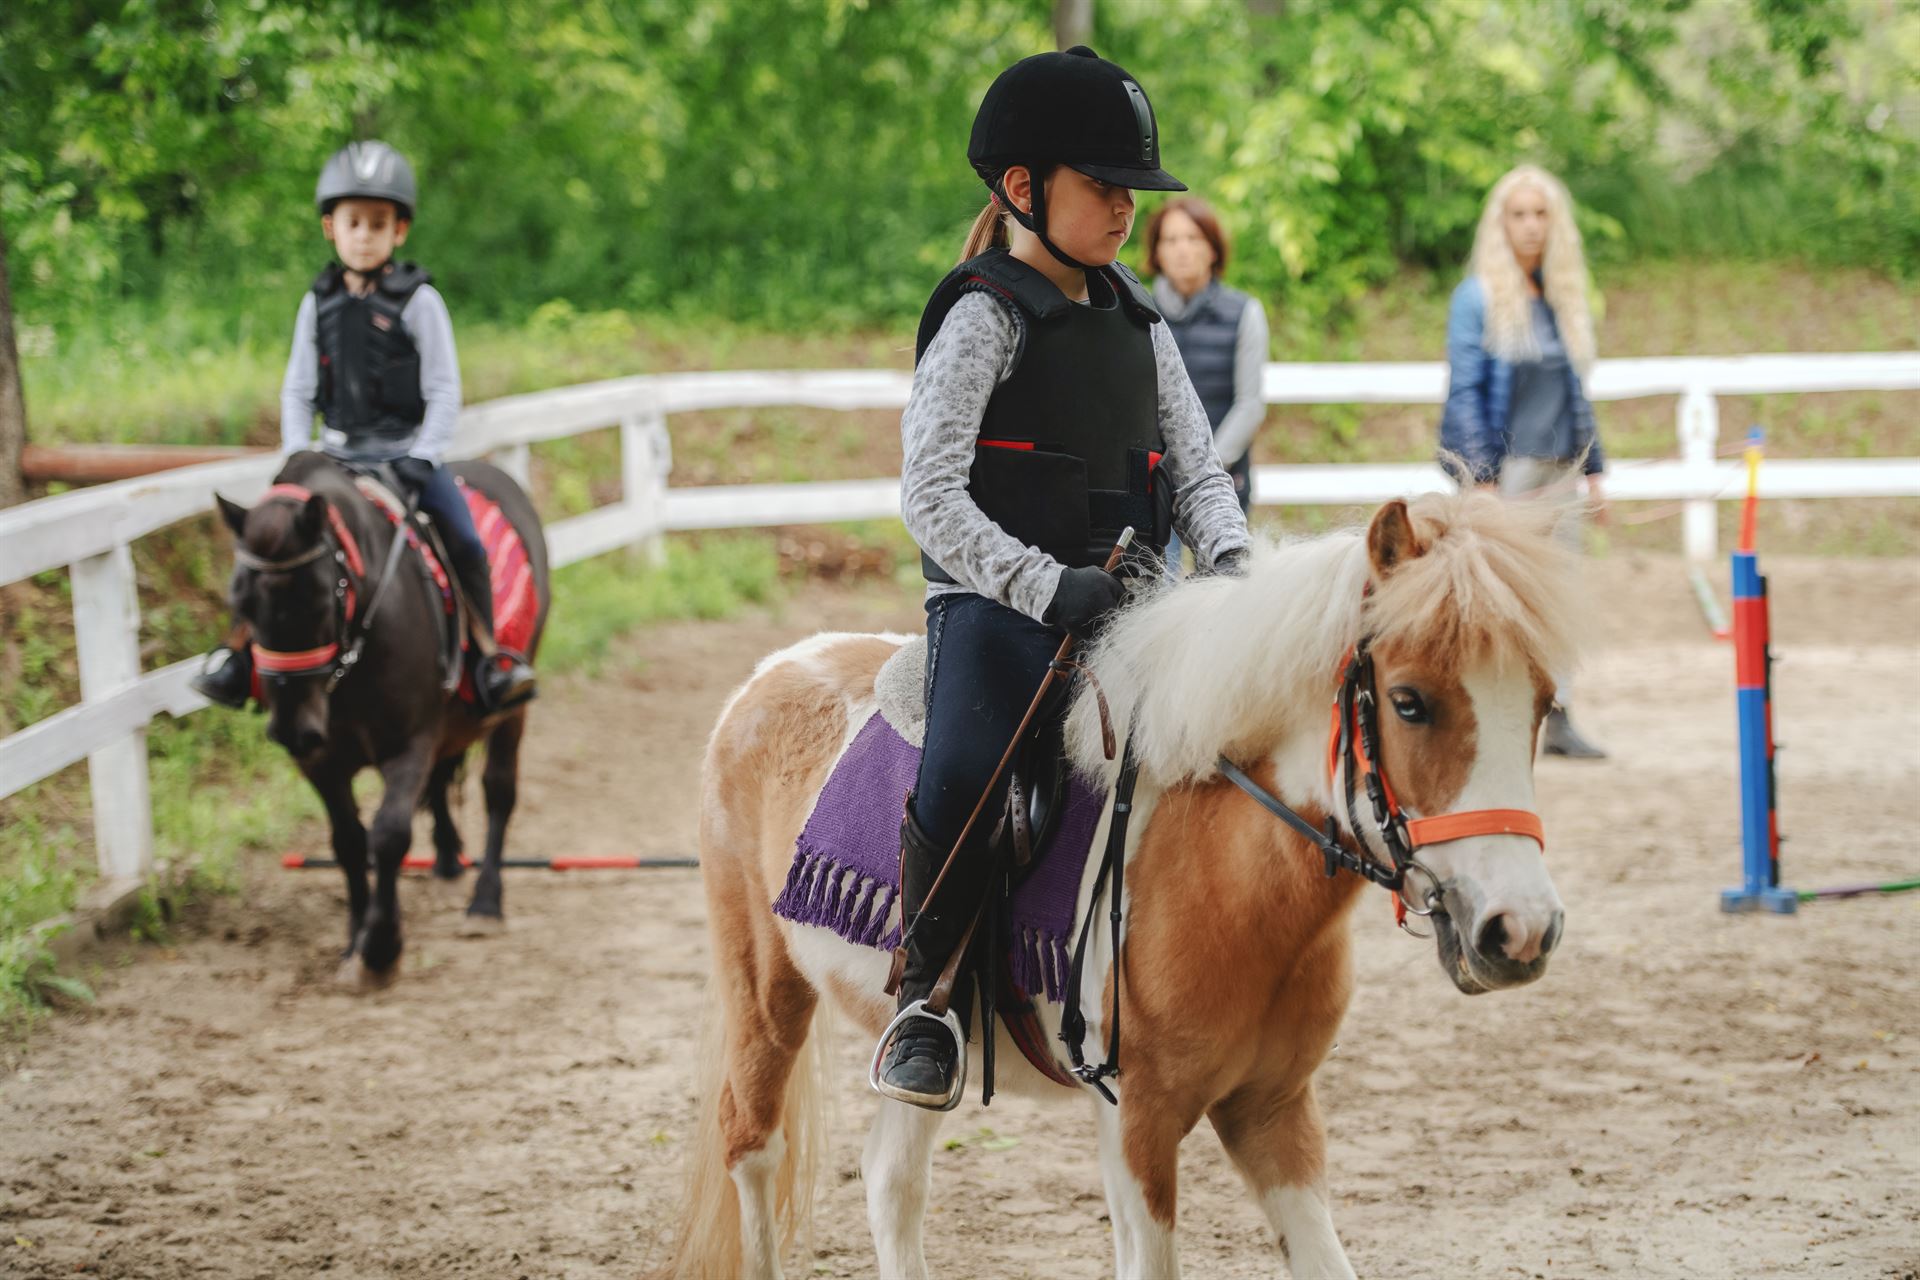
x=413, y=472
x=1083, y=597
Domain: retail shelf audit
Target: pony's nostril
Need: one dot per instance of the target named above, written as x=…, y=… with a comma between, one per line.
x=311, y=741
x=1551, y=938
x=1492, y=938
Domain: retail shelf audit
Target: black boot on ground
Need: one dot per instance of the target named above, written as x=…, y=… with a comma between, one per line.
x=922, y=1064
x=1558, y=737
x=226, y=678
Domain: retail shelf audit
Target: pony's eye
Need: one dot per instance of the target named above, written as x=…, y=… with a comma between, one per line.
x=1408, y=705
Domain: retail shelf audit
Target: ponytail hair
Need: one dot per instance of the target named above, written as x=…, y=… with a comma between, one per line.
x=989, y=231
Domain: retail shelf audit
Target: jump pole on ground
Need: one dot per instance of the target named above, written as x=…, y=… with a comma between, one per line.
x=1753, y=694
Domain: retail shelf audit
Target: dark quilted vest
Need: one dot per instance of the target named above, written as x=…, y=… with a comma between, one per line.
x=369, y=367
x=1070, y=441
x=1206, y=335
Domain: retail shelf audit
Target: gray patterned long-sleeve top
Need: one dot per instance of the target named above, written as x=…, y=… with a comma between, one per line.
x=973, y=353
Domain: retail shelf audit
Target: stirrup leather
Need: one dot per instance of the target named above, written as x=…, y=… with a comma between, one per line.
x=955, y=1090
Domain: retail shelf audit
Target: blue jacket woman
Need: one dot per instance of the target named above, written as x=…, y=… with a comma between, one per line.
x=1519, y=344
x=1477, y=424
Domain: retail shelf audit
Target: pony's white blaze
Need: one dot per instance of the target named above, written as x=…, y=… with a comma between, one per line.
x=1502, y=877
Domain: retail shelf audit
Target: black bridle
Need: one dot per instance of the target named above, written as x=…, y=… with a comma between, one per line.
x=337, y=660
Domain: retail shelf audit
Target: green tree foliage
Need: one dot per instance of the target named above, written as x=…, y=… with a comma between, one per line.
x=800, y=161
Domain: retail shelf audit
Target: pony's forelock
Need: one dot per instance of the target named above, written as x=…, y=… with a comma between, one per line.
x=1235, y=665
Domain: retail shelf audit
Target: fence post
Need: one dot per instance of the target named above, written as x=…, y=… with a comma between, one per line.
x=646, y=456
x=1699, y=429
x=106, y=625
x=517, y=461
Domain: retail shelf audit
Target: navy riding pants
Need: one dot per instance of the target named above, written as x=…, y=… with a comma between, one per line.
x=444, y=505
x=984, y=664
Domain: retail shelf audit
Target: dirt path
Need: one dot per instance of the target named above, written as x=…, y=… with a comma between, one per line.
x=1687, y=1094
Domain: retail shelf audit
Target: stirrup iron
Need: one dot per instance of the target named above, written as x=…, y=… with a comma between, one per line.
x=918, y=1009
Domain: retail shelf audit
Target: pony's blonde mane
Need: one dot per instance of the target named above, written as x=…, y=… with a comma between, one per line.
x=1235, y=665
x=1563, y=274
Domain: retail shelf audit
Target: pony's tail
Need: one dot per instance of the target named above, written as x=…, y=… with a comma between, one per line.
x=707, y=1239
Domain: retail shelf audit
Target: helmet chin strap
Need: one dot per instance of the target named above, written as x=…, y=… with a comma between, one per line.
x=1036, y=221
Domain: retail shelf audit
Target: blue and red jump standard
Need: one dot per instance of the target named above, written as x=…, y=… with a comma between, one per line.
x=1759, y=820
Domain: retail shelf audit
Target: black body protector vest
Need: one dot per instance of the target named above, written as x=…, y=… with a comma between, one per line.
x=1207, y=336
x=1070, y=449
x=369, y=366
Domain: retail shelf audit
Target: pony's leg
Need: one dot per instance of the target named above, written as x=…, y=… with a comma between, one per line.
x=1140, y=1164
x=501, y=785
x=1280, y=1148
x=764, y=1043
x=349, y=843
x=405, y=776
x=897, y=1167
x=446, y=836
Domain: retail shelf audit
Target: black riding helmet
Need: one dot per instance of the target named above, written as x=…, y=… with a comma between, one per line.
x=1073, y=108
x=369, y=170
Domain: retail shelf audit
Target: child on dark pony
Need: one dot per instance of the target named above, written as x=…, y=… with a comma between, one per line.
x=373, y=353
x=1050, y=410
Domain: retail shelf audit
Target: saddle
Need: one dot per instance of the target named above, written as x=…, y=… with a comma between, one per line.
x=378, y=484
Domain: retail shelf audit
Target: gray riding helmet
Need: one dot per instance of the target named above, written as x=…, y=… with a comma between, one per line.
x=369, y=170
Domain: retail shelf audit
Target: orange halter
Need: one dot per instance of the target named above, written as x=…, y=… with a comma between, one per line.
x=1352, y=741
x=1403, y=836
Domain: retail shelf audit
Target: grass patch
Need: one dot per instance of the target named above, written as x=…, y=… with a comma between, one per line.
x=39, y=883
x=709, y=576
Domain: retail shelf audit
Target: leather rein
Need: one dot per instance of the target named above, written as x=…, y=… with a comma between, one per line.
x=333, y=661
x=1353, y=751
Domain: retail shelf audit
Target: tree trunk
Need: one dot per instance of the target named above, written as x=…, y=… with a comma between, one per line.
x=13, y=404
x=1072, y=23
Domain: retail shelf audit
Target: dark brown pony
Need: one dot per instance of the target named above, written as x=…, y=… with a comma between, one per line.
x=304, y=592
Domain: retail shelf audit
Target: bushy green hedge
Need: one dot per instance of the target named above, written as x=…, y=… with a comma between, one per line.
x=798, y=162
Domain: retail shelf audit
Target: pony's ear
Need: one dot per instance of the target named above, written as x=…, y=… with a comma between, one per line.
x=233, y=513
x=312, y=518
x=1391, y=540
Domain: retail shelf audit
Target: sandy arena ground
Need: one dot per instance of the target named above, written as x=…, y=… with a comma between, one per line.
x=1685, y=1094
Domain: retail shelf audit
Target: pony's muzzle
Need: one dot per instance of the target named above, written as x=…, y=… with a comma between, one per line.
x=1491, y=946
x=1516, y=937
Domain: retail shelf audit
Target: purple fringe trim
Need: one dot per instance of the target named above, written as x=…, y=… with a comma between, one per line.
x=822, y=891
x=1040, y=962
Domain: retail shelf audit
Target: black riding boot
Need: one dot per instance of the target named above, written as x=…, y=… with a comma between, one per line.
x=921, y=1063
x=501, y=679
x=226, y=677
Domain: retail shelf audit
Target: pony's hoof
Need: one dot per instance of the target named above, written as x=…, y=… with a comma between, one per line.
x=356, y=978
x=475, y=926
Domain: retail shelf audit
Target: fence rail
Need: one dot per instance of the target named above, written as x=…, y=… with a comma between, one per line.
x=90, y=532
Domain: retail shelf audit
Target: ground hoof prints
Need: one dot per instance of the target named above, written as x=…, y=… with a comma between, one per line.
x=1627, y=1077
x=355, y=977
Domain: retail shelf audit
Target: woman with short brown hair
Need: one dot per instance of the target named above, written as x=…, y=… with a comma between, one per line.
x=1221, y=332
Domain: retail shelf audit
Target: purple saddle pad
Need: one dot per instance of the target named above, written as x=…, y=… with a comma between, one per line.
x=846, y=865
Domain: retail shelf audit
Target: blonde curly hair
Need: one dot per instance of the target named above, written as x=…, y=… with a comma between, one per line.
x=1563, y=274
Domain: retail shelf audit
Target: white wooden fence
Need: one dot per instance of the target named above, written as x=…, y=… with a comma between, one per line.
x=90, y=532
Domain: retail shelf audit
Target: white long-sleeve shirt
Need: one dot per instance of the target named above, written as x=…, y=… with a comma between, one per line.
x=973, y=353
x=431, y=328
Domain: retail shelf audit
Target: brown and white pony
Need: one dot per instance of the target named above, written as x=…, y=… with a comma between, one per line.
x=1236, y=943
